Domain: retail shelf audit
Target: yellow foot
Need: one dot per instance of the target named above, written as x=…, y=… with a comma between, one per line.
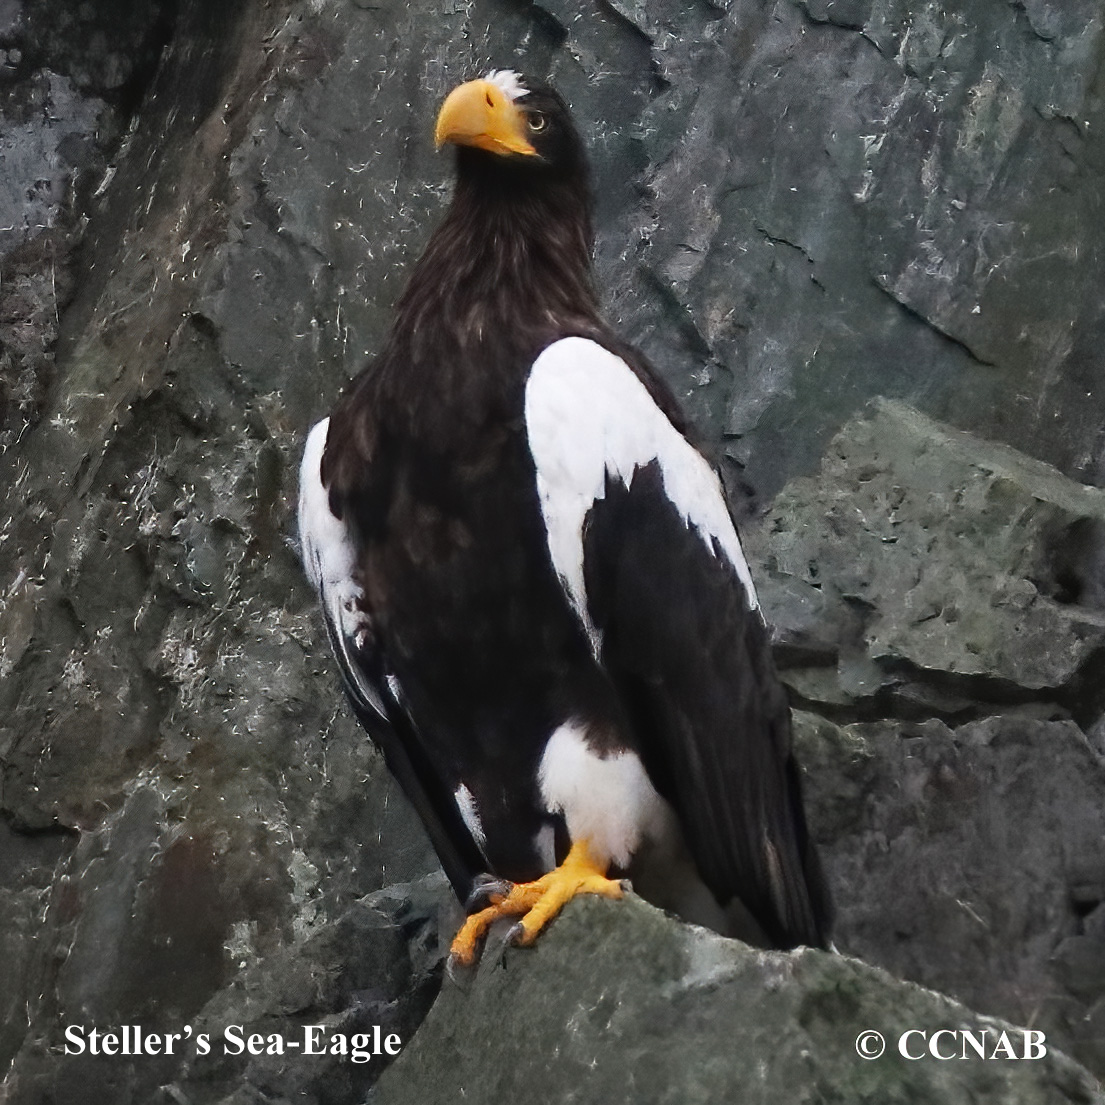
x=537, y=902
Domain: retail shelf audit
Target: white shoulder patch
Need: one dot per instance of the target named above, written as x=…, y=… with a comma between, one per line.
x=508, y=83
x=589, y=415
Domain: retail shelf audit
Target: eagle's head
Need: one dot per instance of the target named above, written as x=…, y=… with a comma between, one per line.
x=508, y=270
x=506, y=120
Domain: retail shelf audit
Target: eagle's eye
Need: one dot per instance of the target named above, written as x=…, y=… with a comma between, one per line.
x=537, y=122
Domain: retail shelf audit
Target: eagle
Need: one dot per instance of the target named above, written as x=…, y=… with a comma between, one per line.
x=532, y=581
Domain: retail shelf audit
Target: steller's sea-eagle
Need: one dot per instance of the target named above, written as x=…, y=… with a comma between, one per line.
x=533, y=584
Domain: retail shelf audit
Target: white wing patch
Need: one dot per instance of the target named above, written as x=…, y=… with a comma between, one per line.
x=328, y=559
x=588, y=415
x=324, y=541
x=508, y=83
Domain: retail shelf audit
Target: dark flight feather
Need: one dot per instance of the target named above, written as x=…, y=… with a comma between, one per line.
x=696, y=673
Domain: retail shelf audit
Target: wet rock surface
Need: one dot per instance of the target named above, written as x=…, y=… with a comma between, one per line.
x=206, y=211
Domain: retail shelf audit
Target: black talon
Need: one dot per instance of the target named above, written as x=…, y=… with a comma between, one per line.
x=452, y=965
x=486, y=890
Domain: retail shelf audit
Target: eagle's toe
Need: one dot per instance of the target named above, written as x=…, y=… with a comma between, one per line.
x=536, y=903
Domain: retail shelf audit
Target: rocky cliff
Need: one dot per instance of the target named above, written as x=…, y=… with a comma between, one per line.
x=863, y=240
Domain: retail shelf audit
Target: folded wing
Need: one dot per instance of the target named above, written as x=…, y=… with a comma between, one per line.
x=329, y=556
x=641, y=537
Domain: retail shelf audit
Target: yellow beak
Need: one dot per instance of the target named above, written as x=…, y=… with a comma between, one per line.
x=480, y=114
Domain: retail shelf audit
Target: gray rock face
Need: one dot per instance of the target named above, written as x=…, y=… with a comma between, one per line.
x=69, y=76
x=676, y=1014
x=206, y=211
x=847, y=208
x=919, y=552
x=970, y=860
x=950, y=587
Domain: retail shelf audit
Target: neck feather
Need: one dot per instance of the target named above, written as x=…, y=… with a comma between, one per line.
x=510, y=262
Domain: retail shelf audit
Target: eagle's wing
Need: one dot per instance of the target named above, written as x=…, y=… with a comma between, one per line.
x=329, y=559
x=642, y=539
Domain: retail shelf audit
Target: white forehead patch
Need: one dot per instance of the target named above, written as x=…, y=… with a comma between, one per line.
x=508, y=83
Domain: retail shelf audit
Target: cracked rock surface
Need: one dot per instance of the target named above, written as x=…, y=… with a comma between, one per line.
x=862, y=239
